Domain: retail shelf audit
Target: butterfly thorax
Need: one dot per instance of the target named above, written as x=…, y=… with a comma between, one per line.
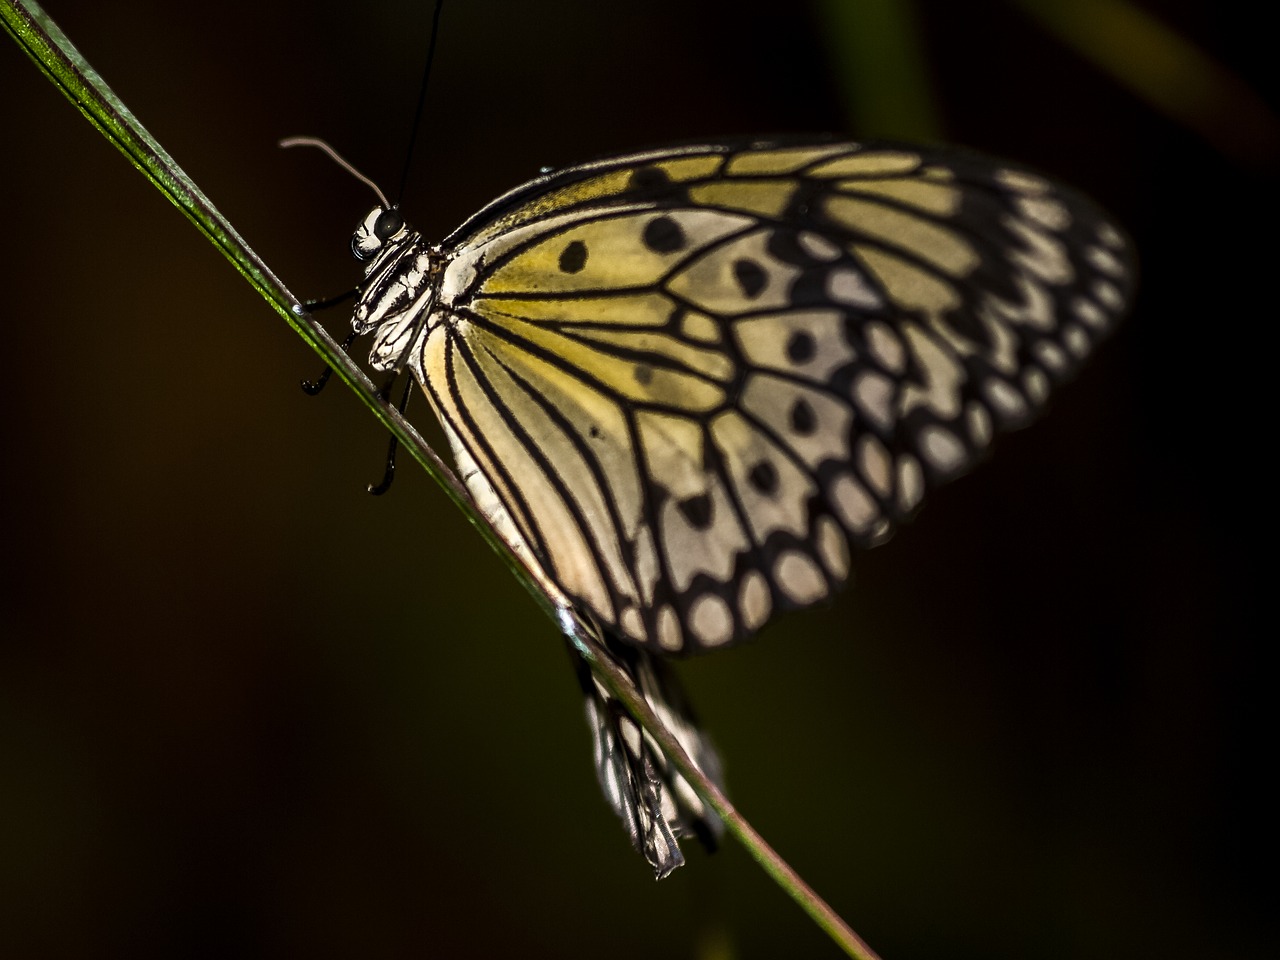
x=402, y=279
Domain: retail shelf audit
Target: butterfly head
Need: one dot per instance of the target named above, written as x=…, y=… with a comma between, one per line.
x=382, y=227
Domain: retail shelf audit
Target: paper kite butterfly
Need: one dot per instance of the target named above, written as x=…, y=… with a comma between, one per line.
x=684, y=384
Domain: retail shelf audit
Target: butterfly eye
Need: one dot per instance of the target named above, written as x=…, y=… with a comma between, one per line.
x=388, y=225
x=379, y=226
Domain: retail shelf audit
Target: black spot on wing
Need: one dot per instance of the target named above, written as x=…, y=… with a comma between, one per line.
x=664, y=235
x=803, y=420
x=573, y=257
x=750, y=276
x=697, y=510
x=801, y=347
x=764, y=477
x=648, y=181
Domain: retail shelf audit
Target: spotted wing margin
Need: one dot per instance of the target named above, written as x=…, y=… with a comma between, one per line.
x=693, y=378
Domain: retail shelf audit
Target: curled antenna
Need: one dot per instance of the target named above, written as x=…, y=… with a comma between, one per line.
x=338, y=159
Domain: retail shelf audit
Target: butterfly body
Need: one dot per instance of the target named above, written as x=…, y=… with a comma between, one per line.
x=683, y=384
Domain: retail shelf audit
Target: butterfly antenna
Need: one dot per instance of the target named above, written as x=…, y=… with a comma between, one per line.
x=339, y=160
x=422, y=97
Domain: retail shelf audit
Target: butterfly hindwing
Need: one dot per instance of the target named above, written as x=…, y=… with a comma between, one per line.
x=685, y=383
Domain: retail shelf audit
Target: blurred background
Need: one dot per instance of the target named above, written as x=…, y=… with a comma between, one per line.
x=247, y=709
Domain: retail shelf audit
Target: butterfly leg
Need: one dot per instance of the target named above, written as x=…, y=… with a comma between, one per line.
x=389, y=473
x=312, y=387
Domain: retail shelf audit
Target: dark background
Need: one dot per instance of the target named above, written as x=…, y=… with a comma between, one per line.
x=246, y=709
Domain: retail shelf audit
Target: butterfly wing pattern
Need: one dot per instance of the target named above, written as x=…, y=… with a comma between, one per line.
x=682, y=385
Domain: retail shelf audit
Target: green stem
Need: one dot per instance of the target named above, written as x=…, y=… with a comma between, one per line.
x=68, y=70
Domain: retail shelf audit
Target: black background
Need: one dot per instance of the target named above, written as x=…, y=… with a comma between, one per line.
x=246, y=709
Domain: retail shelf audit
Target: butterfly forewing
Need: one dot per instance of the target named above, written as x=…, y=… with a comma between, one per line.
x=686, y=382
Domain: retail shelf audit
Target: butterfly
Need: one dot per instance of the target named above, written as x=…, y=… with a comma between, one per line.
x=684, y=385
